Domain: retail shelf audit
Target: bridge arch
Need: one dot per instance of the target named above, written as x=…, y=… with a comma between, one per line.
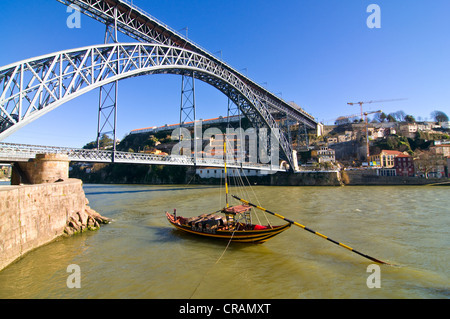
x=31, y=88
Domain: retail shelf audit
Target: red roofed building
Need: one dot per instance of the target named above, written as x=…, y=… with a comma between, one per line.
x=404, y=165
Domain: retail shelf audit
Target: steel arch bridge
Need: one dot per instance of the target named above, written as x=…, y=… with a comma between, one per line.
x=34, y=87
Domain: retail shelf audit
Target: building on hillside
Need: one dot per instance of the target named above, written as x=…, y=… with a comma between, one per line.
x=171, y=127
x=332, y=140
x=323, y=154
x=385, y=158
x=404, y=165
x=408, y=129
x=378, y=132
x=216, y=172
x=341, y=138
x=390, y=131
x=425, y=126
x=441, y=148
x=155, y=151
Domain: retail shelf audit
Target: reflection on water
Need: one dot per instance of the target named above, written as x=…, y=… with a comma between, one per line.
x=140, y=255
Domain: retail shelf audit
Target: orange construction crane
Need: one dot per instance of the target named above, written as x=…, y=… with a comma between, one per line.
x=365, y=114
x=362, y=115
x=356, y=115
x=367, y=131
x=370, y=102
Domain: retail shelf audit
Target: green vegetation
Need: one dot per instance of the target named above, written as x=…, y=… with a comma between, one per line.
x=105, y=142
x=393, y=142
x=421, y=141
x=5, y=172
x=439, y=116
x=135, y=143
x=129, y=174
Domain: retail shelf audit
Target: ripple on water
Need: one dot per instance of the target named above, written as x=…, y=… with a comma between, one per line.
x=140, y=256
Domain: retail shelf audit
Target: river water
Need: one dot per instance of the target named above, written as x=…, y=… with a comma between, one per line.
x=139, y=255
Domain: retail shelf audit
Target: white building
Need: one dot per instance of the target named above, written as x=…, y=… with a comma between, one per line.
x=217, y=172
x=324, y=154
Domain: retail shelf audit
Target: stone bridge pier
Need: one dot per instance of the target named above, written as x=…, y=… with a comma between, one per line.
x=44, y=168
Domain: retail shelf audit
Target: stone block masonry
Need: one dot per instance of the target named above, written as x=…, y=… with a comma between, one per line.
x=45, y=168
x=34, y=215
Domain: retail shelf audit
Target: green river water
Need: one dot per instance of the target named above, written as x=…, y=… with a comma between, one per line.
x=139, y=255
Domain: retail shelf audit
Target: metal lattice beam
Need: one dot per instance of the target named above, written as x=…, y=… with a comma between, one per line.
x=31, y=88
x=108, y=95
x=145, y=28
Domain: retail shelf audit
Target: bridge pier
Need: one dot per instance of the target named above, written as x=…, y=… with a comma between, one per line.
x=44, y=168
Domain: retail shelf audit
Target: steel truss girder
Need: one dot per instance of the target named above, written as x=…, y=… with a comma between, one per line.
x=143, y=27
x=12, y=153
x=34, y=87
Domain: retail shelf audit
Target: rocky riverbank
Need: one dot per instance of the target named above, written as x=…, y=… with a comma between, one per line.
x=87, y=219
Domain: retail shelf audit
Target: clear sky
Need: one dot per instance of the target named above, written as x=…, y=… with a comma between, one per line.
x=318, y=53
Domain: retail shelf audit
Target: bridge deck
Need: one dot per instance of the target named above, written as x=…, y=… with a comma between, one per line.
x=10, y=153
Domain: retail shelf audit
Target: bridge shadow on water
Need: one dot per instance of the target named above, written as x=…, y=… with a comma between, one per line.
x=110, y=191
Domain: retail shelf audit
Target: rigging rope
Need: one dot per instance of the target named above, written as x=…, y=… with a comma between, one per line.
x=217, y=261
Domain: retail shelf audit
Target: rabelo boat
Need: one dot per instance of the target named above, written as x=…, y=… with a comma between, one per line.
x=232, y=223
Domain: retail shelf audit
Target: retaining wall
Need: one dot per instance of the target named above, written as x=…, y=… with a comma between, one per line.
x=34, y=215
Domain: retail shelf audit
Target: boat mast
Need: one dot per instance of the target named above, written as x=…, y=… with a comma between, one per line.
x=225, y=162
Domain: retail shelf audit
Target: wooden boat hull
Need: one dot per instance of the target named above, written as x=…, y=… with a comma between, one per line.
x=238, y=236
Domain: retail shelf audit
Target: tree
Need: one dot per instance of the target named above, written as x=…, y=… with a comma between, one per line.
x=410, y=119
x=399, y=115
x=105, y=141
x=427, y=162
x=391, y=118
x=380, y=117
x=439, y=116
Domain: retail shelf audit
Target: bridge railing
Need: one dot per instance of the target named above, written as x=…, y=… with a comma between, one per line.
x=23, y=152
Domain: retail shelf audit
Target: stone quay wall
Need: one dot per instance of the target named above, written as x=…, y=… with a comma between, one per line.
x=41, y=205
x=34, y=215
x=370, y=177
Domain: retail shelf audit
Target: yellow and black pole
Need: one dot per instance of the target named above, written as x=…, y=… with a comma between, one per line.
x=311, y=231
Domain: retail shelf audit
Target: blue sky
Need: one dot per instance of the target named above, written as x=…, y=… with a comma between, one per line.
x=318, y=53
